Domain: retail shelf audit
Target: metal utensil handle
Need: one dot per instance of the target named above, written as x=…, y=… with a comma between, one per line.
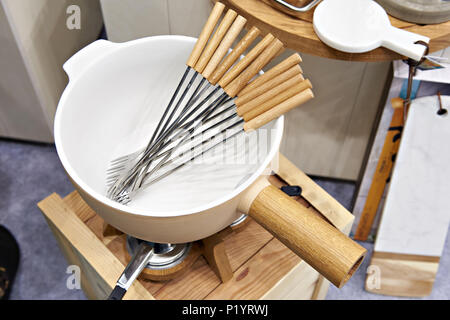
x=137, y=263
x=305, y=8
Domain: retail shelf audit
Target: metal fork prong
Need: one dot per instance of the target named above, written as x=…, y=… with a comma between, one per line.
x=113, y=178
x=120, y=159
x=116, y=168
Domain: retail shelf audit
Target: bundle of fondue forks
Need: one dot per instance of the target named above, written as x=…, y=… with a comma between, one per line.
x=218, y=89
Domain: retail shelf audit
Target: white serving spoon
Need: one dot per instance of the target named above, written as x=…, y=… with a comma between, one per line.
x=357, y=26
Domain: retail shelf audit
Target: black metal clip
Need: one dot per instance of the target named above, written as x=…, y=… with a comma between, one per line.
x=292, y=191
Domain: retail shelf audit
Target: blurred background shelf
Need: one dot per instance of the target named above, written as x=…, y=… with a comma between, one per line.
x=34, y=44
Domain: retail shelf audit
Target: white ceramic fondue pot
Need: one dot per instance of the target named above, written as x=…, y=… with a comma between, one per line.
x=116, y=93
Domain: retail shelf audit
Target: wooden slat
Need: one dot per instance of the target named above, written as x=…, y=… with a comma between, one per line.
x=74, y=201
x=244, y=243
x=88, y=245
x=397, y=276
x=300, y=283
x=321, y=289
x=258, y=275
x=195, y=284
x=380, y=176
x=316, y=196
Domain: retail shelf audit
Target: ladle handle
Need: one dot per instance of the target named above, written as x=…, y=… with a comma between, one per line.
x=208, y=28
x=310, y=236
x=403, y=42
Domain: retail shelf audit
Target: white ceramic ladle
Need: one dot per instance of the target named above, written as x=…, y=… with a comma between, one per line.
x=357, y=26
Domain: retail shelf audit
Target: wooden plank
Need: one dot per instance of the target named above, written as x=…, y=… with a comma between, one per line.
x=74, y=201
x=244, y=243
x=381, y=175
x=316, y=196
x=87, y=244
x=195, y=284
x=400, y=275
x=93, y=285
x=258, y=275
x=299, y=283
x=321, y=289
x=415, y=217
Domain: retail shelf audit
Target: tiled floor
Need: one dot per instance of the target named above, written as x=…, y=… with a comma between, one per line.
x=30, y=172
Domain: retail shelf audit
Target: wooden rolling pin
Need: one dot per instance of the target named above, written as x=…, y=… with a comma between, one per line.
x=311, y=237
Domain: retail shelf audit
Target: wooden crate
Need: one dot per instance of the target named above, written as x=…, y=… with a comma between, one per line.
x=263, y=268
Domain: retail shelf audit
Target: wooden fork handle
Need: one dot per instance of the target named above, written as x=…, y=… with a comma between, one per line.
x=264, y=58
x=226, y=43
x=230, y=59
x=269, y=94
x=272, y=83
x=208, y=28
x=215, y=40
x=276, y=99
x=284, y=65
x=246, y=61
x=278, y=110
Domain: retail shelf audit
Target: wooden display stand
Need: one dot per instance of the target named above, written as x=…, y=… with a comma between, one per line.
x=297, y=33
x=244, y=262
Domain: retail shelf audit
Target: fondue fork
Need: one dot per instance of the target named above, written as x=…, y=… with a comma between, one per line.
x=204, y=60
x=277, y=78
x=251, y=125
x=276, y=75
x=277, y=101
x=235, y=79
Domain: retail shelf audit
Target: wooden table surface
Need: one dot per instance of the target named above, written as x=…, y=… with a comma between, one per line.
x=298, y=33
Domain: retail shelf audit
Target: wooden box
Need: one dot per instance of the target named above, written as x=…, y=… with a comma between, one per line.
x=262, y=267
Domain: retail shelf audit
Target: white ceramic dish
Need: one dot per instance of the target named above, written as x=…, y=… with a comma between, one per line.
x=116, y=93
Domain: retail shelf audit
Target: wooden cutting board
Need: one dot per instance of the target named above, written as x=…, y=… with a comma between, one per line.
x=416, y=214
